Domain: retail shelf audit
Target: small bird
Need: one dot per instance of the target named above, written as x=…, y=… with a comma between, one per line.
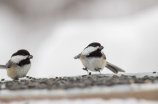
x=93, y=59
x=19, y=64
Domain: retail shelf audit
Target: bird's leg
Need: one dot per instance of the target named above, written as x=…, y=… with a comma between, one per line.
x=89, y=73
x=85, y=69
x=16, y=79
x=98, y=70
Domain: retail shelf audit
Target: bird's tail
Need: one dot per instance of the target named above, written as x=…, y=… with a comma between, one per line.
x=114, y=68
x=2, y=67
x=77, y=57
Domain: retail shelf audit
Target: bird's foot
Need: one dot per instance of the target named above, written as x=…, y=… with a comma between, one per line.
x=89, y=73
x=85, y=69
x=16, y=79
x=98, y=70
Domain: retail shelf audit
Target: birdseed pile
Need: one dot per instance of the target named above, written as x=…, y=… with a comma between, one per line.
x=75, y=82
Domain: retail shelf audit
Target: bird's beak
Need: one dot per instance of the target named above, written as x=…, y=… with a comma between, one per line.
x=101, y=47
x=30, y=57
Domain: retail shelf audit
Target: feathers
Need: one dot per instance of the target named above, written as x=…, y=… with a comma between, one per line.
x=78, y=56
x=93, y=63
x=18, y=58
x=89, y=50
x=113, y=68
x=15, y=71
x=2, y=67
x=93, y=58
x=97, y=54
x=8, y=64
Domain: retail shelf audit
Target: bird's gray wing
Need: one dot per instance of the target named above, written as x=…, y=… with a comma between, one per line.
x=78, y=56
x=8, y=64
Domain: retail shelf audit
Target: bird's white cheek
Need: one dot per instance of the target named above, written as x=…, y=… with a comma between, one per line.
x=17, y=59
x=89, y=50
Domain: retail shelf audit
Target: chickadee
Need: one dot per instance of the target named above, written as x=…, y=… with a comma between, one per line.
x=93, y=59
x=18, y=65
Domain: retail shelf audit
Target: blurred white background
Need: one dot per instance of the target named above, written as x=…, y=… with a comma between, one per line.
x=54, y=31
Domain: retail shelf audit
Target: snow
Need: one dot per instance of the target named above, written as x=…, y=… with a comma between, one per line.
x=84, y=101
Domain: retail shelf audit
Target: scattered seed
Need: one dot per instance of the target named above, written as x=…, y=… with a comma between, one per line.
x=79, y=82
x=27, y=76
x=154, y=72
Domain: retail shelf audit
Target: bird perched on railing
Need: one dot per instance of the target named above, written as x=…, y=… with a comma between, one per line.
x=93, y=59
x=19, y=64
